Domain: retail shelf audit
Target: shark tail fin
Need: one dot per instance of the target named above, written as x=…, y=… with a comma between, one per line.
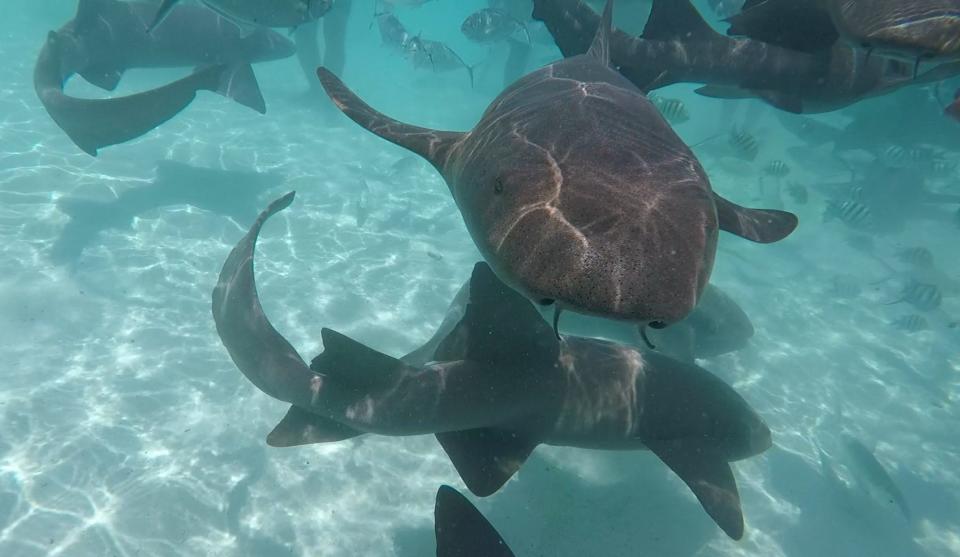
x=462, y=531
x=433, y=145
x=600, y=48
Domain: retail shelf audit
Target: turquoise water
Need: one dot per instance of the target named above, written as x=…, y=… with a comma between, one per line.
x=125, y=429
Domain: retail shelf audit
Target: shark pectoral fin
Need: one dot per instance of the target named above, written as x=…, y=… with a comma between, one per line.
x=462, y=531
x=432, y=145
x=238, y=82
x=162, y=12
x=300, y=427
x=502, y=327
x=350, y=361
x=724, y=92
x=677, y=20
x=710, y=478
x=104, y=78
x=757, y=225
x=486, y=458
x=779, y=99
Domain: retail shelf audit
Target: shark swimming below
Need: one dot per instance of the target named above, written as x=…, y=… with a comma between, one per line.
x=500, y=384
x=231, y=193
x=108, y=37
x=578, y=193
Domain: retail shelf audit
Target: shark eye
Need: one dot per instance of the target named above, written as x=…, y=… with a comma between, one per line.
x=498, y=186
x=658, y=325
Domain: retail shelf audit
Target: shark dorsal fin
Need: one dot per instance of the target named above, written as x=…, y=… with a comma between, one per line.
x=351, y=362
x=502, y=328
x=676, y=19
x=600, y=48
x=433, y=145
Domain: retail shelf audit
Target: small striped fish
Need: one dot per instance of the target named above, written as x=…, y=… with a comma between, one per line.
x=896, y=156
x=922, y=296
x=942, y=168
x=672, y=109
x=912, y=323
x=918, y=257
x=777, y=169
x=746, y=146
x=851, y=213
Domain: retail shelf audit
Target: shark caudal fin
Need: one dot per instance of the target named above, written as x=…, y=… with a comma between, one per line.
x=259, y=351
x=764, y=226
x=462, y=531
x=433, y=145
x=600, y=48
x=499, y=328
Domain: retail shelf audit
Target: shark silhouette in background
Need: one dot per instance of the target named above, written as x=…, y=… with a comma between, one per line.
x=230, y=193
x=108, y=37
x=500, y=384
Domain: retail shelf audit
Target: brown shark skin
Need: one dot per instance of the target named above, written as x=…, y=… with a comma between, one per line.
x=915, y=28
x=571, y=391
x=576, y=190
x=820, y=82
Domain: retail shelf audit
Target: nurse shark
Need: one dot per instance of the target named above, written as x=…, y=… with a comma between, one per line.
x=108, y=37
x=500, y=384
x=577, y=192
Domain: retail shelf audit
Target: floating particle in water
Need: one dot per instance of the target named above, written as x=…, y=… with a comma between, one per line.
x=434, y=255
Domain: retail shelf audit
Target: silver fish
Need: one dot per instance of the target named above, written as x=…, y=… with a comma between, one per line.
x=490, y=26
x=435, y=56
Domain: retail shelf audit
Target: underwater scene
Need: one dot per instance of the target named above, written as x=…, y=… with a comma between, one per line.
x=479, y=278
